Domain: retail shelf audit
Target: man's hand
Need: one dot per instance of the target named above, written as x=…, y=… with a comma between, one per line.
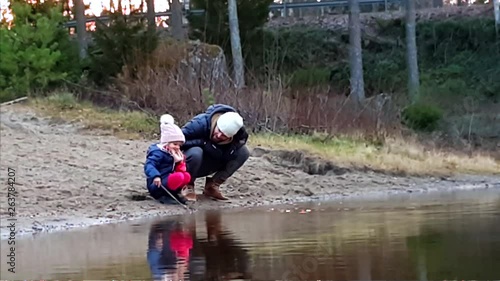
x=157, y=181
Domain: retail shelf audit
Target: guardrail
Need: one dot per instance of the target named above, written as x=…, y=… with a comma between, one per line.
x=274, y=6
x=336, y=3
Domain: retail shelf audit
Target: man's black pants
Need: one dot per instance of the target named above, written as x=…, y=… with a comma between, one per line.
x=201, y=165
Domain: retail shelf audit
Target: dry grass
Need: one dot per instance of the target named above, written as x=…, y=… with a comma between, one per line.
x=394, y=155
x=124, y=124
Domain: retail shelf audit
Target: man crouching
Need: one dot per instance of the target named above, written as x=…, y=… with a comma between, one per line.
x=215, y=143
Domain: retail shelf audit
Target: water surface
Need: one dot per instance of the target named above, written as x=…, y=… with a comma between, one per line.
x=454, y=235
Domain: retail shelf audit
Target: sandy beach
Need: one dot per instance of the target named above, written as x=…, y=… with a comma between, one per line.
x=67, y=177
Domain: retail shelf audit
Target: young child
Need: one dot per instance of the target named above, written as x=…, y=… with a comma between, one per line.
x=165, y=165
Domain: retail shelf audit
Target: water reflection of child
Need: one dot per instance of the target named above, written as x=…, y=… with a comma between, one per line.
x=169, y=250
x=181, y=242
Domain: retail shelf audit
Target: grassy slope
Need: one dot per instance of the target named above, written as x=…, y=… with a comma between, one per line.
x=395, y=155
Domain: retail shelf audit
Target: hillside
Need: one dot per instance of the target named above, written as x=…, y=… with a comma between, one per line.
x=459, y=64
x=340, y=21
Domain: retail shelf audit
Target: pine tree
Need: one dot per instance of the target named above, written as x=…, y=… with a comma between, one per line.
x=31, y=50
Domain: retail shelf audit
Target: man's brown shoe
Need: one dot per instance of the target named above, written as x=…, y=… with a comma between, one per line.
x=212, y=189
x=189, y=192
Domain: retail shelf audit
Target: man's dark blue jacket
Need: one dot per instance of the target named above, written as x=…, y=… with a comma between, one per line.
x=198, y=133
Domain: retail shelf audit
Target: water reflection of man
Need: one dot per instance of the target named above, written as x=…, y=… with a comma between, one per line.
x=169, y=248
x=224, y=258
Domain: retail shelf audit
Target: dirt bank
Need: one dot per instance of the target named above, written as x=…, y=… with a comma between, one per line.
x=67, y=177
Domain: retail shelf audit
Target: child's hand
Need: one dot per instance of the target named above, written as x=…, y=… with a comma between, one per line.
x=177, y=154
x=157, y=181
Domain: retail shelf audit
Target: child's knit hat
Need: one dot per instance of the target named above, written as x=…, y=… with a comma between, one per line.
x=169, y=131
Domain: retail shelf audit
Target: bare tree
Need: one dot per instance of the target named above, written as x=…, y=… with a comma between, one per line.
x=355, y=53
x=150, y=14
x=81, y=28
x=234, y=29
x=411, y=51
x=496, y=8
x=176, y=20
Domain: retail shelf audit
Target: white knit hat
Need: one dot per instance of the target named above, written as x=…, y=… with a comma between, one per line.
x=167, y=119
x=169, y=131
x=230, y=123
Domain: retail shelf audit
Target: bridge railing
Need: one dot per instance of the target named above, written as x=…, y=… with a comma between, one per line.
x=273, y=7
x=335, y=3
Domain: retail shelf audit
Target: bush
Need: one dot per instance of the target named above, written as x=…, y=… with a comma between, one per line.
x=34, y=51
x=63, y=101
x=422, y=117
x=310, y=77
x=126, y=41
x=286, y=49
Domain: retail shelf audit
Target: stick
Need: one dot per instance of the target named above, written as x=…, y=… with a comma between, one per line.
x=14, y=101
x=168, y=192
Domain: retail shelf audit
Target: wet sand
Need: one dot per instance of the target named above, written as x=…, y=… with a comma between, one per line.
x=67, y=177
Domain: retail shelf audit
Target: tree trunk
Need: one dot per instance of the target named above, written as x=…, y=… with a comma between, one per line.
x=421, y=265
x=355, y=54
x=411, y=51
x=177, y=28
x=66, y=7
x=364, y=265
x=81, y=28
x=239, y=72
x=496, y=9
x=437, y=3
x=150, y=14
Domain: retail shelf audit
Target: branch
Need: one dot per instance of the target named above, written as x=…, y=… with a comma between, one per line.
x=14, y=101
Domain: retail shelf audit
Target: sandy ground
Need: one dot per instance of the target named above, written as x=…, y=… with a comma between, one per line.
x=67, y=177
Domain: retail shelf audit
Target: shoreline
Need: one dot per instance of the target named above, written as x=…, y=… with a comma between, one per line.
x=164, y=211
